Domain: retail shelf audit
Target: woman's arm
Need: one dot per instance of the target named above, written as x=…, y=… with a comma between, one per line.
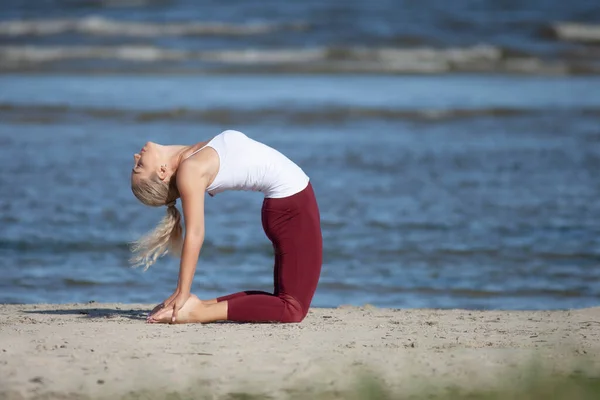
x=192, y=181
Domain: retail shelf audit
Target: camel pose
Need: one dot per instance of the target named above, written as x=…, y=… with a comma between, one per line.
x=290, y=218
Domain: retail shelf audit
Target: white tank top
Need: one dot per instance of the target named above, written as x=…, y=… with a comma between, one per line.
x=246, y=164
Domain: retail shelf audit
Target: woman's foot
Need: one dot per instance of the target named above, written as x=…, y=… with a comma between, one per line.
x=193, y=311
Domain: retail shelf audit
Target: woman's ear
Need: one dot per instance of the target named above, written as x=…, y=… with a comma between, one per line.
x=162, y=172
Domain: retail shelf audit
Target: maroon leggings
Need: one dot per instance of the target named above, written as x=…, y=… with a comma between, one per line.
x=293, y=225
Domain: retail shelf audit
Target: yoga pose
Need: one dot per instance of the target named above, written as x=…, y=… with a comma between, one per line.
x=290, y=218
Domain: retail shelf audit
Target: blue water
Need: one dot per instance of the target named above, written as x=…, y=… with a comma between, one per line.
x=379, y=36
x=242, y=92
x=467, y=185
x=483, y=211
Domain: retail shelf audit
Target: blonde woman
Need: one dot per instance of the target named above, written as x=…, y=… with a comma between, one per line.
x=290, y=218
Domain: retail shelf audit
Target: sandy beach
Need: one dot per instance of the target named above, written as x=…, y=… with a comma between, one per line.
x=107, y=350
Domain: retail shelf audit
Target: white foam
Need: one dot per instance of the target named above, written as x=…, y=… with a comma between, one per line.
x=365, y=59
x=571, y=31
x=259, y=56
x=356, y=59
x=19, y=55
x=107, y=27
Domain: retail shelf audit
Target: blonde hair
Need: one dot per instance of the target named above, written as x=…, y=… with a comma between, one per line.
x=167, y=237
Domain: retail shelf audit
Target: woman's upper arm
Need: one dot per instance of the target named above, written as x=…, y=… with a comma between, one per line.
x=191, y=183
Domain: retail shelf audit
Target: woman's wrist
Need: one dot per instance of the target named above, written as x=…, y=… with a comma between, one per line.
x=183, y=290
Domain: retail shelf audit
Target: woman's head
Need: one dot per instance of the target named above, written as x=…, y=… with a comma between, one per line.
x=153, y=183
x=151, y=176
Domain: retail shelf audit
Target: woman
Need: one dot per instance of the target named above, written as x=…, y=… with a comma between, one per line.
x=290, y=218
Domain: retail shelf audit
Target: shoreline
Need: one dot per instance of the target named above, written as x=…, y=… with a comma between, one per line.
x=106, y=350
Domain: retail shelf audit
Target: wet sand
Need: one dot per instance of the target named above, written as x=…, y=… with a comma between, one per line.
x=107, y=350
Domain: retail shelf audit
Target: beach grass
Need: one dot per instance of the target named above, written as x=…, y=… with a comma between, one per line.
x=549, y=387
x=529, y=384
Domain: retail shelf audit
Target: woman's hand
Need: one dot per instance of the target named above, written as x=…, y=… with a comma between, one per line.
x=177, y=303
x=162, y=305
x=172, y=305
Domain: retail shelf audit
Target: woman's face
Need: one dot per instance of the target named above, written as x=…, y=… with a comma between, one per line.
x=147, y=161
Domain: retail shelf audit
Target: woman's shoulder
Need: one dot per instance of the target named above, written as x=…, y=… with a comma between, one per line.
x=230, y=135
x=196, y=166
x=232, y=132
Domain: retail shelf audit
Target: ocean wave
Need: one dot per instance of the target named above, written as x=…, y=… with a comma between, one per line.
x=26, y=55
x=422, y=60
x=100, y=26
x=115, y=3
x=573, y=32
x=425, y=60
x=323, y=114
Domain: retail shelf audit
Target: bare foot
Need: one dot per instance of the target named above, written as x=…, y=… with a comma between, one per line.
x=190, y=312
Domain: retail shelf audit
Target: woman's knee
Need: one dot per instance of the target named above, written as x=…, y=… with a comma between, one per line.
x=294, y=311
x=293, y=316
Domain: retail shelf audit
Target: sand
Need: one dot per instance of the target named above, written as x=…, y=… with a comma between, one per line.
x=107, y=350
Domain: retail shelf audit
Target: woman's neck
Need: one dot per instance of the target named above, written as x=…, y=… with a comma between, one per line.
x=180, y=152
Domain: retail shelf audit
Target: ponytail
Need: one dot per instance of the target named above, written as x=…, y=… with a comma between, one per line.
x=167, y=237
